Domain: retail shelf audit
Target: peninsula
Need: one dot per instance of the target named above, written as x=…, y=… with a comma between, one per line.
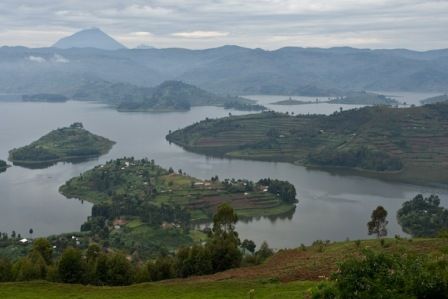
x=404, y=144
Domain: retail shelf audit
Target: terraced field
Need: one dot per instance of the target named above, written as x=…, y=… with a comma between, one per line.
x=405, y=144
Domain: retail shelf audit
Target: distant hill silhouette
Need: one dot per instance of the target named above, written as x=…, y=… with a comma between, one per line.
x=89, y=38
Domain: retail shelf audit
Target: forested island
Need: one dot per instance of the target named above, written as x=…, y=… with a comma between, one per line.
x=291, y=102
x=64, y=144
x=167, y=97
x=405, y=144
x=45, y=97
x=363, y=98
x=153, y=207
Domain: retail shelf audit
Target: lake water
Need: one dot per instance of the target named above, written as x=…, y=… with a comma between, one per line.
x=331, y=206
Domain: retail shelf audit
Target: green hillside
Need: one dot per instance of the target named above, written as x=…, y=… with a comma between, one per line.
x=64, y=144
x=405, y=144
x=436, y=99
x=291, y=273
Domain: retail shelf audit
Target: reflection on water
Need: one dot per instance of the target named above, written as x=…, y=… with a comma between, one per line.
x=331, y=206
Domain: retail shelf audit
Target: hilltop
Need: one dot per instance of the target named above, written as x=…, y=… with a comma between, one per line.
x=405, y=144
x=89, y=38
x=64, y=144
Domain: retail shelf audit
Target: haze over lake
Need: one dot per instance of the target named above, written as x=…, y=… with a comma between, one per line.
x=331, y=206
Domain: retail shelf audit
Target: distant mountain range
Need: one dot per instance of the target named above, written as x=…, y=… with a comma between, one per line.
x=225, y=70
x=89, y=38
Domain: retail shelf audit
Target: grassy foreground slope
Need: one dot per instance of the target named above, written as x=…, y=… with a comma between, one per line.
x=287, y=274
x=406, y=144
x=212, y=290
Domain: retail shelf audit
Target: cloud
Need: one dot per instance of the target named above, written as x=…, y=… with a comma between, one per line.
x=270, y=24
x=141, y=33
x=59, y=59
x=37, y=59
x=200, y=34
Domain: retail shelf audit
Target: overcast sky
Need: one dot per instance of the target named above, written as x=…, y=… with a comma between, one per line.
x=268, y=24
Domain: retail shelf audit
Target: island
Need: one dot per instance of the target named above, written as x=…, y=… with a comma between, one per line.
x=169, y=96
x=64, y=144
x=436, y=99
x=363, y=98
x=140, y=203
x=403, y=144
x=45, y=97
x=3, y=166
x=291, y=102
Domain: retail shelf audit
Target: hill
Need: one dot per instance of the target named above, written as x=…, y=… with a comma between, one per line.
x=436, y=99
x=227, y=70
x=405, y=144
x=168, y=96
x=89, y=38
x=64, y=144
x=288, y=274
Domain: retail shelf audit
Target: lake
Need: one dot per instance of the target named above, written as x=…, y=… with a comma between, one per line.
x=331, y=207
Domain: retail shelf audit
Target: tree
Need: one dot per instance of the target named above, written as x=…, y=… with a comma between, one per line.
x=378, y=222
x=43, y=247
x=71, y=266
x=224, y=242
x=249, y=245
x=120, y=271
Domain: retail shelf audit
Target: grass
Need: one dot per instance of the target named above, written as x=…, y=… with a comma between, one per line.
x=217, y=290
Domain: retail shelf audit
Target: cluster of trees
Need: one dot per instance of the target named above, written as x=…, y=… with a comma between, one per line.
x=95, y=265
x=360, y=157
x=285, y=190
x=423, y=216
x=380, y=275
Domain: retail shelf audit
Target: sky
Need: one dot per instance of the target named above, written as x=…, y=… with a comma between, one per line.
x=268, y=24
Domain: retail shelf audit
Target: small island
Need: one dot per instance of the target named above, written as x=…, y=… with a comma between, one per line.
x=363, y=98
x=140, y=203
x=3, y=166
x=65, y=144
x=291, y=102
x=45, y=97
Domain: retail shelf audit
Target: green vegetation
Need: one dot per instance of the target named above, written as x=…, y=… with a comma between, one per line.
x=166, y=97
x=404, y=144
x=3, y=166
x=436, y=99
x=228, y=289
x=45, y=97
x=379, y=275
x=64, y=144
x=142, y=208
x=423, y=216
x=293, y=273
x=363, y=98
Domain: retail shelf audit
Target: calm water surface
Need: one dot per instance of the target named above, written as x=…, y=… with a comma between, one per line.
x=331, y=207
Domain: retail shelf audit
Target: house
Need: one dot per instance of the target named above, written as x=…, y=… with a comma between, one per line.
x=24, y=241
